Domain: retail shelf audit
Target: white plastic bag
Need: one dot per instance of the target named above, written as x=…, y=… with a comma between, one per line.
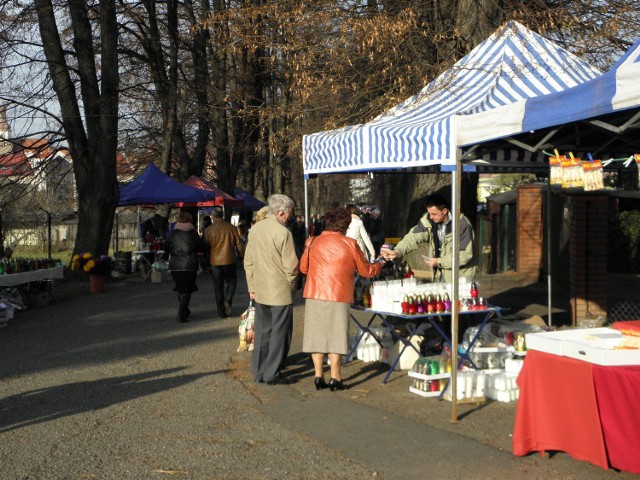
x=246, y=328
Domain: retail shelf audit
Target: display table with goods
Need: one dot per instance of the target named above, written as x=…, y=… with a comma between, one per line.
x=26, y=281
x=578, y=394
x=423, y=305
x=32, y=274
x=145, y=260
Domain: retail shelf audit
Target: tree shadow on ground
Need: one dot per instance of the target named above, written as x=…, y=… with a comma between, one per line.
x=46, y=404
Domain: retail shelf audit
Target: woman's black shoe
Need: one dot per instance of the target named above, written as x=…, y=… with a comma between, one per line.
x=320, y=383
x=336, y=385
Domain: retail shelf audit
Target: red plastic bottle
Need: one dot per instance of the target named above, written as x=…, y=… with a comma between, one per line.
x=474, y=290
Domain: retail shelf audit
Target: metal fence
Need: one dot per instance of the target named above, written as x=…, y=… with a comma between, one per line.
x=43, y=235
x=623, y=310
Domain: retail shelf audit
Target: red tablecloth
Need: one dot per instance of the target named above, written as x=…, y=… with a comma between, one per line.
x=586, y=410
x=618, y=390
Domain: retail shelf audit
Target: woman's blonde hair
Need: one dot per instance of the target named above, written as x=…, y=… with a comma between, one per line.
x=262, y=214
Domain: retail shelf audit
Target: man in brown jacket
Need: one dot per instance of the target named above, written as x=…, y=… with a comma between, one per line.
x=271, y=265
x=225, y=245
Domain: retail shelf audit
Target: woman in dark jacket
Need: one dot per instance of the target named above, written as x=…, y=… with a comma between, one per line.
x=330, y=261
x=183, y=245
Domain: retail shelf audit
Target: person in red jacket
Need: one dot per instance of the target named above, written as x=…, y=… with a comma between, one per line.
x=330, y=261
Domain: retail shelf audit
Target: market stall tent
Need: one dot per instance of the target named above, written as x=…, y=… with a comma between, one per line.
x=513, y=64
x=154, y=187
x=251, y=203
x=218, y=198
x=604, y=96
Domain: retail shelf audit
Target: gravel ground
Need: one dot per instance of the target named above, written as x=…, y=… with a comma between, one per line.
x=110, y=386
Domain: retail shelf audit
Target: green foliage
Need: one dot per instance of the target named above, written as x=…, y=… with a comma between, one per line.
x=509, y=181
x=624, y=242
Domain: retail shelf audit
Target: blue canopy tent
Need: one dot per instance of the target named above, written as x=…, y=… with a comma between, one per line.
x=251, y=203
x=154, y=187
x=438, y=126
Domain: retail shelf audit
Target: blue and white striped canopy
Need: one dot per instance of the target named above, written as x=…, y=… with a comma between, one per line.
x=616, y=90
x=512, y=65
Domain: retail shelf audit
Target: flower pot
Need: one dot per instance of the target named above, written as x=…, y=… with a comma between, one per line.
x=96, y=283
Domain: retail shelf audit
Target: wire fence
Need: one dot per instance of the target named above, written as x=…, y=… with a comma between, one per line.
x=44, y=235
x=623, y=310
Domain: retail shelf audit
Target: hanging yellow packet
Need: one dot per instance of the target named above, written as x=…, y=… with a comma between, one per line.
x=555, y=168
x=593, y=175
x=572, y=173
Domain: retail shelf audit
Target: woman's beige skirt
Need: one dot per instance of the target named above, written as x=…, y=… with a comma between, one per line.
x=326, y=327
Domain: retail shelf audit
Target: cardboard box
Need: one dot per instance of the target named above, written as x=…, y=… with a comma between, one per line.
x=37, y=299
x=549, y=342
x=593, y=345
x=158, y=276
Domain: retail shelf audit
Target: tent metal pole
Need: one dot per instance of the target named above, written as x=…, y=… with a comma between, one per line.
x=456, y=182
x=549, y=277
x=306, y=206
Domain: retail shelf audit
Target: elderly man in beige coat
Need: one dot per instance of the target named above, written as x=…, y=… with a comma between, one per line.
x=271, y=265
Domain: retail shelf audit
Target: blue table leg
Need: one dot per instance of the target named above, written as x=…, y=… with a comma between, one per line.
x=465, y=354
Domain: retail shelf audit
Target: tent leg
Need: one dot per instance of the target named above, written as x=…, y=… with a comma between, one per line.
x=549, y=277
x=456, y=181
x=306, y=206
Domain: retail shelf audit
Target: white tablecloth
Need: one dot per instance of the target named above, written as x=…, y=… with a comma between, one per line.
x=13, y=279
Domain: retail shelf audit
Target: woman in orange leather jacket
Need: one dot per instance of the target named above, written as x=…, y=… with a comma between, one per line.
x=330, y=261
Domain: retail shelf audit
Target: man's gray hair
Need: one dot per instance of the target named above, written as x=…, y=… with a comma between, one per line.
x=279, y=203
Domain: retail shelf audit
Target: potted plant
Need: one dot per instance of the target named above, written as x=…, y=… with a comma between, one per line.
x=97, y=268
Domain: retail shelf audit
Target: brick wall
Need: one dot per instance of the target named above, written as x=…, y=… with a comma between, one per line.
x=530, y=231
x=588, y=256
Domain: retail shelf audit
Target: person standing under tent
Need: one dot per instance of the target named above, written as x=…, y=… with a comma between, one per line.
x=430, y=243
x=271, y=265
x=357, y=231
x=330, y=262
x=225, y=247
x=376, y=233
x=206, y=250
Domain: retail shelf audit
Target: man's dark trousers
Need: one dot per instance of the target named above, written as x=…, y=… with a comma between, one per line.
x=274, y=328
x=225, y=280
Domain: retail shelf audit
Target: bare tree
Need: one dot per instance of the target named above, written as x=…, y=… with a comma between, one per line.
x=89, y=107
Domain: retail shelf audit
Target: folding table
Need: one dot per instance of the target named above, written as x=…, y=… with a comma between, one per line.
x=144, y=255
x=434, y=320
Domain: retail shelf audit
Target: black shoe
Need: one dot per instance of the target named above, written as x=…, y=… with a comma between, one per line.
x=336, y=385
x=182, y=319
x=280, y=380
x=320, y=383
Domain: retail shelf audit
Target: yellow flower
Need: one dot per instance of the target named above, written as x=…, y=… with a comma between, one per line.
x=87, y=256
x=89, y=266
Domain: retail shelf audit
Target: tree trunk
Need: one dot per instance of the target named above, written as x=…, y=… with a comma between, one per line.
x=93, y=150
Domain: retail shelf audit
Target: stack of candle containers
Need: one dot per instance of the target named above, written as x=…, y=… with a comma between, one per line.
x=502, y=387
x=369, y=350
x=470, y=386
x=408, y=297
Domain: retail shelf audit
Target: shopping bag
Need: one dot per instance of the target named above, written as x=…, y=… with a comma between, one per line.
x=246, y=328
